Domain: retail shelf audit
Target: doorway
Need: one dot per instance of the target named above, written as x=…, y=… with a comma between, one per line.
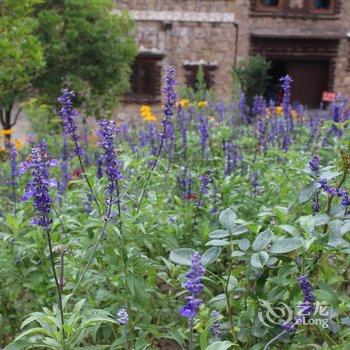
x=311, y=79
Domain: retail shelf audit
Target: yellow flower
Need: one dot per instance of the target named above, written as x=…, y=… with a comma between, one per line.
x=18, y=143
x=6, y=132
x=184, y=102
x=279, y=110
x=202, y=104
x=146, y=114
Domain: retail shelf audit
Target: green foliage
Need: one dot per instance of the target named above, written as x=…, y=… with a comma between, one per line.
x=21, y=54
x=253, y=76
x=255, y=241
x=48, y=45
x=88, y=49
x=201, y=91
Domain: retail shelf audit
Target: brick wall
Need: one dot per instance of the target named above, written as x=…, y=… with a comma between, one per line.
x=191, y=40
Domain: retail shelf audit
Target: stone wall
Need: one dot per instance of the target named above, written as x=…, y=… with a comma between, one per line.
x=213, y=40
x=196, y=31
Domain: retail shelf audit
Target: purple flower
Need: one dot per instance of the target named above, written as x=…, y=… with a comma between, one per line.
x=183, y=127
x=314, y=164
x=215, y=326
x=195, y=286
x=231, y=157
x=68, y=115
x=286, y=101
x=333, y=191
x=13, y=164
x=255, y=182
x=39, y=164
x=169, y=104
x=142, y=138
x=242, y=109
x=122, y=316
x=203, y=132
x=307, y=307
x=98, y=162
x=170, y=93
x=107, y=133
x=65, y=177
x=259, y=106
x=314, y=125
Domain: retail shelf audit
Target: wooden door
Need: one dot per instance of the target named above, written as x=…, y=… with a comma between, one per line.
x=310, y=80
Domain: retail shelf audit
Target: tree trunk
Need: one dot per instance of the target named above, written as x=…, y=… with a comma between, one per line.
x=6, y=121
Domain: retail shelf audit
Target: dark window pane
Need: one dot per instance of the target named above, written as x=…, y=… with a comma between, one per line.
x=269, y=3
x=145, y=76
x=191, y=76
x=322, y=4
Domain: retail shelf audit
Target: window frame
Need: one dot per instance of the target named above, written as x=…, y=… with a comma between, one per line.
x=146, y=97
x=192, y=69
x=259, y=7
x=329, y=11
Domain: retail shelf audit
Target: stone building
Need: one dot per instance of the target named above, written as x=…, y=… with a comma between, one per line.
x=305, y=38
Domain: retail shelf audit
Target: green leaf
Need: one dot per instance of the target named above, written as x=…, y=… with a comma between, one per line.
x=290, y=229
x=262, y=241
x=227, y=219
x=210, y=255
x=237, y=253
x=307, y=193
x=258, y=260
x=238, y=230
x=217, y=242
x=219, y=234
x=243, y=244
x=220, y=345
x=307, y=223
x=182, y=256
x=286, y=245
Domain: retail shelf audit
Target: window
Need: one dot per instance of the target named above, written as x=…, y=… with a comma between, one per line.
x=191, y=74
x=146, y=78
x=307, y=8
x=269, y=3
x=322, y=4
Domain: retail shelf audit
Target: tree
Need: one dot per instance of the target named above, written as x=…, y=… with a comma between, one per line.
x=88, y=49
x=21, y=56
x=46, y=45
x=253, y=76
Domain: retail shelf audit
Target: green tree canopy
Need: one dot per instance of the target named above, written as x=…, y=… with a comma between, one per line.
x=88, y=49
x=21, y=54
x=46, y=45
x=253, y=76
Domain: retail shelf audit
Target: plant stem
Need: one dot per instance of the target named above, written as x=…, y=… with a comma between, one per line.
x=229, y=310
x=191, y=335
x=60, y=221
x=152, y=169
x=279, y=335
x=102, y=232
x=125, y=264
x=197, y=210
x=60, y=307
x=325, y=227
x=85, y=176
